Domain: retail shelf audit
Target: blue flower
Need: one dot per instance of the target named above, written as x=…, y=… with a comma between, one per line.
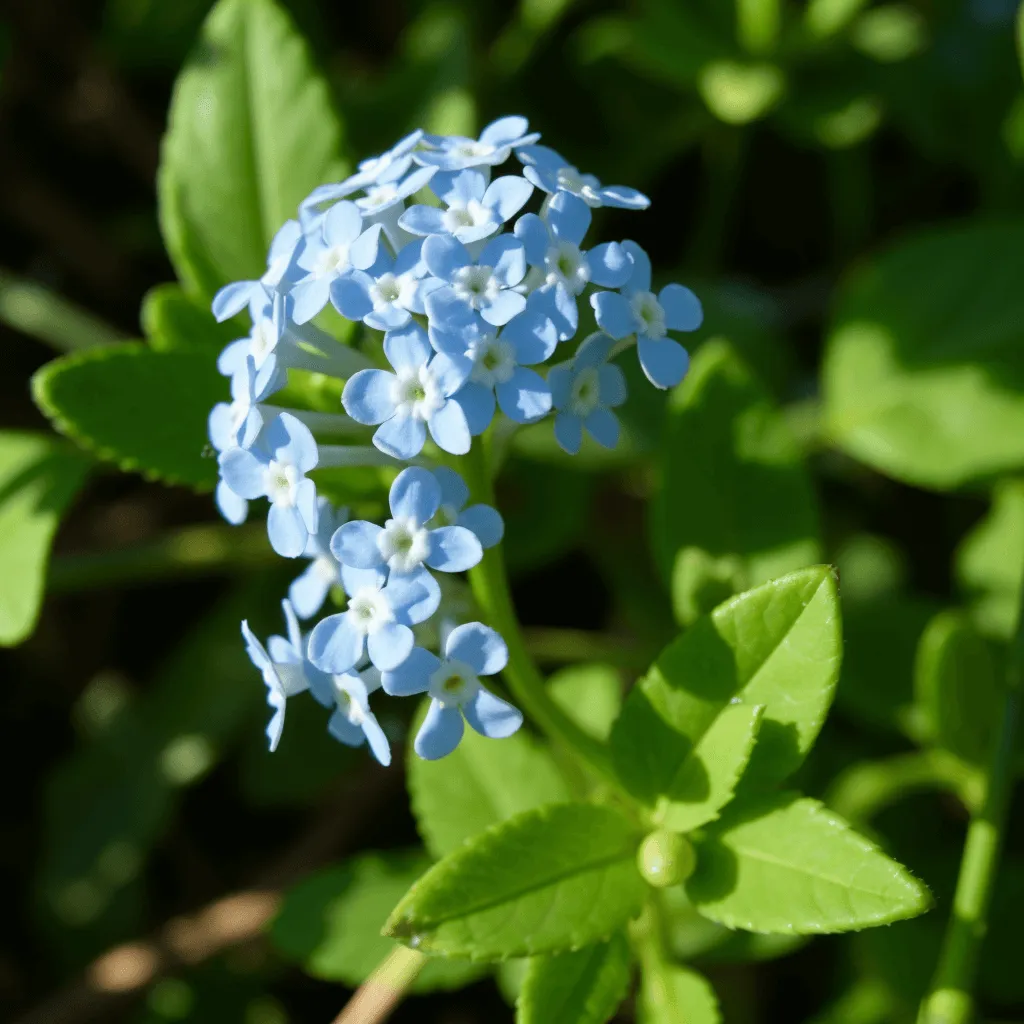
x=309, y=591
x=495, y=362
x=553, y=246
x=285, y=670
x=238, y=424
x=282, y=272
x=341, y=246
x=483, y=520
x=483, y=286
x=417, y=396
x=233, y=508
x=352, y=722
x=637, y=310
x=378, y=620
x=404, y=544
x=496, y=142
x=386, y=296
x=474, y=208
x=551, y=172
x=471, y=650
x=377, y=170
x=585, y=390
x=275, y=467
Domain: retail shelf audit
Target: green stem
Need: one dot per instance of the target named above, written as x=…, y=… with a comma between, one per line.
x=377, y=998
x=951, y=1000
x=490, y=587
x=565, y=646
x=758, y=23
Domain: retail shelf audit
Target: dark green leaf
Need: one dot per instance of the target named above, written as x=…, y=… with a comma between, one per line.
x=251, y=132
x=786, y=864
x=144, y=410
x=171, y=320
x=549, y=880
x=584, y=987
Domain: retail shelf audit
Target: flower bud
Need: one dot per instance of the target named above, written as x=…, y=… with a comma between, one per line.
x=666, y=858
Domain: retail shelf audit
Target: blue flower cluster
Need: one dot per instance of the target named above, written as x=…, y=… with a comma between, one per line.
x=427, y=245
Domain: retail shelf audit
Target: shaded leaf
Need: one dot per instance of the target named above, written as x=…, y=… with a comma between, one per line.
x=671, y=994
x=171, y=320
x=590, y=694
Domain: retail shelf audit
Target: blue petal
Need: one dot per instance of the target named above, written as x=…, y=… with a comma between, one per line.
x=354, y=580
x=569, y=217
x=363, y=250
x=447, y=312
x=334, y=645
x=414, y=597
x=533, y=332
x=682, y=308
x=533, y=233
x=310, y=296
x=305, y=502
x=409, y=260
x=320, y=686
x=491, y=716
x=440, y=732
x=506, y=304
x=460, y=187
x=613, y=314
x=568, y=432
x=449, y=429
x=275, y=726
x=611, y=385
x=232, y=299
x=351, y=295
x=422, y=220
x=525, y=396
x=231, y=506
x=401, y=437
x=478, y=646
x=412, y=676
x=415, y=493
x=478, y=405
x=367, y=397
x=289, y=438
x=389, y=646
x=640, y=279
x=443, y=255
x=485, y=522
x=560, y=379
x=388, y=318
x=342, y=223
x=376, y=740
x=220, y=427
x=453, y=549
x=286, y=530
x=624, y=197
x=256, y=651
x=603, y=427
x=309, y=591
x=610, y=265
x=355, y=544
x=505, y=130
x=243, y=473
x=565, y=312
x=593, y=351
x=345, y=731
x=663, y=360
x=407, y=348
x=454, y=491
x=507, y=195
x=232, y=359
x=507, y=256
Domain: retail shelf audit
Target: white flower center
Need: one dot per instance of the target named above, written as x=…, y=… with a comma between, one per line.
x=332, y=261
x=494, y=360
x=469, y=215
x=386, y=290
x=404, y=544
x=586, y=392
x=473, y=149
x=347, y=704
x=326, y=567
x=648, y=314
x=415, y=392
x=382, y=195
x=583, y=185
x=369, y=610
x=262, y=341
x=281, y=480
x=476, y=285
x=566, y=264
x=453, y=684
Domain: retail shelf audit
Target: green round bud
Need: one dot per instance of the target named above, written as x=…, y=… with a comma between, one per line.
x=666, y=858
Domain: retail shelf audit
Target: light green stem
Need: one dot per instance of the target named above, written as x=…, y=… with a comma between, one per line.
x=758, y=23
x=951, y=1000
x=490, y=587
x=378, y=997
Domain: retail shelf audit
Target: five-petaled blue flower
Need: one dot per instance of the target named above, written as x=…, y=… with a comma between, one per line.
x=637, y=310
x=471, y=650
x=239, y=423
x=418, y=396
x=275, y=467
x=585, y=390
x=551, y=172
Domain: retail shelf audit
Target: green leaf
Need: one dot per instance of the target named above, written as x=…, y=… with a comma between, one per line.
x=251, y=132
x=39, y=477
x=482, y=782
x=330, y=923
x=924, y=373
x=785, y=863
x=549, y=880
x=733, y=484
x=670, y=995
x=778, y=646
x=142, y=409
x=171, y=320
x=584, y=987
x=958, y=687
x=990, y=562
x=590, y=694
